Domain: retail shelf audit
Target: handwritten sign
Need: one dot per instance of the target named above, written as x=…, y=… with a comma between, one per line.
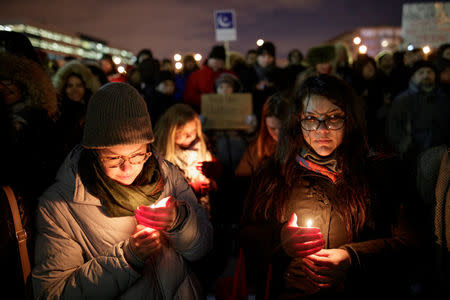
x=426, y=24
x=226, y=111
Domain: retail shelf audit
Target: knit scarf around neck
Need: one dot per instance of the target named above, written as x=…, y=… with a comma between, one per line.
x=327, y=166
x=121, y=200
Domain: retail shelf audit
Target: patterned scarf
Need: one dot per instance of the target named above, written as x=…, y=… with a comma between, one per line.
x=121, y=200
x=327, y=166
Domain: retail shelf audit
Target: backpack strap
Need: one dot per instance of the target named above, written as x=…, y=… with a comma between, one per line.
x=21, y=234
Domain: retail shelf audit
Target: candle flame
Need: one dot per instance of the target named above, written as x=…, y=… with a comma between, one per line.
x=162, y=203
x=309, y=223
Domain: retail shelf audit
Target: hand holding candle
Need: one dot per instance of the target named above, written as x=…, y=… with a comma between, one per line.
x=159, y=216
x=145, y=241
x=300, y=241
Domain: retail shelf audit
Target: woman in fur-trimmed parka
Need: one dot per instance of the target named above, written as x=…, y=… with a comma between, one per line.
x=119, y=222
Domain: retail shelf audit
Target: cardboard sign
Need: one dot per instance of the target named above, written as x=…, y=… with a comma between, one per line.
x=226, y=111
x=225, y=25
x=426, y=24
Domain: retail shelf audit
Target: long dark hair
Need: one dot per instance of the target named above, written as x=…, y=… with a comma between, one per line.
x=270, y=190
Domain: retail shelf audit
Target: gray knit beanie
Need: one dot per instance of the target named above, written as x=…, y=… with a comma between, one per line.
x=116, y=115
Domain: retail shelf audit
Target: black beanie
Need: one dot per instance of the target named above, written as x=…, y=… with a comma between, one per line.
x=321, y=54
x=267, y=47
x=421, y=64
x=217, y=52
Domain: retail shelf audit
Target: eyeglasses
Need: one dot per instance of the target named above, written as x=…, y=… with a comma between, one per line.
x=119, y=160
x=332, y=123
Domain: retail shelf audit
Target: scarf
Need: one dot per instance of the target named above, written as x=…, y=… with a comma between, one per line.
x=327, y=166
x=121, y=200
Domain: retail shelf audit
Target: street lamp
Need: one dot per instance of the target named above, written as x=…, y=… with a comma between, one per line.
x=177, y=57
x=357, y=40
x=410, y=47
x=426, y=49
x=198, y=57
x=384, y=43
x=363, y=49
x=117, y=60
x=178, y=65
x=259, y=42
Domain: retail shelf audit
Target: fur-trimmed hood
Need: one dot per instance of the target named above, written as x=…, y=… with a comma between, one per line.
x=77, y=67
x=34, y=82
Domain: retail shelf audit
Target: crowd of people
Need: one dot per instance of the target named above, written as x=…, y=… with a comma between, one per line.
x=339, y=184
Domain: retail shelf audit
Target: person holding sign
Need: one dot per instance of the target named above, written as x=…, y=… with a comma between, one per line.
x=104, y=231
x=320, y=213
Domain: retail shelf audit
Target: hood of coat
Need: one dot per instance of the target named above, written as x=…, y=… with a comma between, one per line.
x=63, y=73
x=33, y=81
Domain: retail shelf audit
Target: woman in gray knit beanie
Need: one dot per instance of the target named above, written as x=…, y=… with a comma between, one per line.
x=119, y=222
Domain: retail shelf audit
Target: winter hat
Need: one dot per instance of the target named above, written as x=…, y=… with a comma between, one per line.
x=217, y=52
x=422, y=64
x=321, y=54
x=117, y=115
x=267, y=47
x=231, y=80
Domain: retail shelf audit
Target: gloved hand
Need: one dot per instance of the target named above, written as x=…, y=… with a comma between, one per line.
x=211, y=169
x=160, y=216
x=200, y=187
x=300, y=241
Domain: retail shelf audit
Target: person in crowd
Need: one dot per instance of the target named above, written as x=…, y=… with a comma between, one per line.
x=321, y=218
x=295, y=66
x=433, y=168
x=402, y=70
x=180, y=140
x=442, y=64
x=167, y=65
x=28, y=108
x=98, y=73
x=273, y=114
x=119, y=221
x=369, y=86
x=75, y=84
x=109, y=68
x=162, y=97
x=343, y=63
x=189, y=66
x=202, y=81
x=419, y=117
x=321, y=60
x=145, y=72
x=385, y=62
x=268, y=77
x=250, y=57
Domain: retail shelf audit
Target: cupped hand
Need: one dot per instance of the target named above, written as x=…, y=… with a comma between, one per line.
x=145, y=242
x=328, y=267
x=300, y=241
x=158, y=218
x=211, y=169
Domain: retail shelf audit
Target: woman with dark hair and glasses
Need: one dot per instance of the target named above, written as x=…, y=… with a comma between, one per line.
x=321, y=218
x=120, y=222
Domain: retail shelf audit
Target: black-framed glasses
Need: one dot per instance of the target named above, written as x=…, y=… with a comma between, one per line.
x=117, y=161
x=332, y=123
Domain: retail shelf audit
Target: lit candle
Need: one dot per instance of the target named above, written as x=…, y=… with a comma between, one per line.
x=162, y=203
x=309, y=223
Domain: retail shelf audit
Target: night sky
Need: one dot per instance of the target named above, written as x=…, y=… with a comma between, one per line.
x=171, y=26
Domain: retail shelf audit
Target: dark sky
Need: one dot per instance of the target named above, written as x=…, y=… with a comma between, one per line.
x=170, y=26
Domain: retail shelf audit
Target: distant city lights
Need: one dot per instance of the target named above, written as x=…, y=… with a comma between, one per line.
x=198, y=57
x=357, y=40
x=178, y=65
x=121, y=69
x=117, y=60
x=384, y=43
x=363, y=49
x=426, y=49
x=259, y=42
x=177, y=57
x=410, y=47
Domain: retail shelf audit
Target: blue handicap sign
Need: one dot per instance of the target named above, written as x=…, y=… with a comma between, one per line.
x=224, y=20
